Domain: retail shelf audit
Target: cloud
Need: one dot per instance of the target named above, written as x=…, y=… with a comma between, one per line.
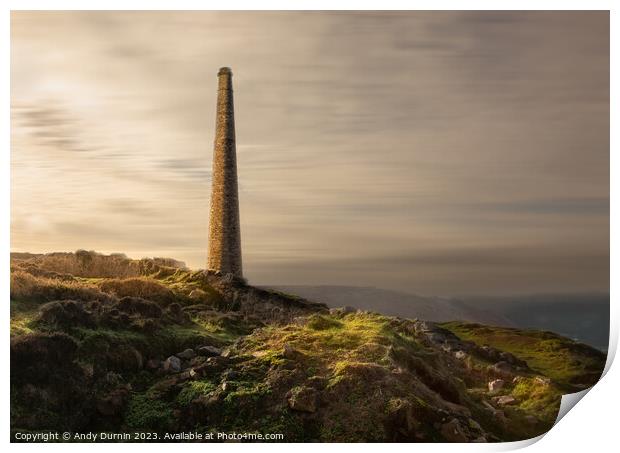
x=362, y=136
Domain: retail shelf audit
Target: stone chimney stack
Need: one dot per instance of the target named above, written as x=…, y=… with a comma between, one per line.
x=224, y=230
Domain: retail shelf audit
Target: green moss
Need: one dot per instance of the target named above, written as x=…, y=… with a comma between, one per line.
x=146, y=414
x=319, y=322
x=193, y=390
x=23, y=316
x=559, y=358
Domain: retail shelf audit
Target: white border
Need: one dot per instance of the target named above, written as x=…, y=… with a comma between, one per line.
x=592, y=426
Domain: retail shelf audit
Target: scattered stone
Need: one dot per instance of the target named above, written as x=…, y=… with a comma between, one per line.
x=541, y=380
x=452, y=431
x=225, y=386
x=172, y=364
x=496, y=385
x=302, y=399
x=461, y=355
x=188, y=354
x=209, y=351
x=504, y=400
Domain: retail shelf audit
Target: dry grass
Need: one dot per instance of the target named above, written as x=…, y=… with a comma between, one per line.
x=27, y=286
x=143, y=287
x=90, y=264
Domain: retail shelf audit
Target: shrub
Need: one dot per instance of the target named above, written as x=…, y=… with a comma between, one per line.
x=142, y=287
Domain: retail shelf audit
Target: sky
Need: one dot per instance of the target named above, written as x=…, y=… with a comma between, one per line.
x=439, y=153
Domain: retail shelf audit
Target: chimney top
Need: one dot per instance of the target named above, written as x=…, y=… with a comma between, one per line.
x=224, y=70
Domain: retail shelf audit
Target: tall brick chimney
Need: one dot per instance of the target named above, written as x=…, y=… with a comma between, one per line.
x=224, y=229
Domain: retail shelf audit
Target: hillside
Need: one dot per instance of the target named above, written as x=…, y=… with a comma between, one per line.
x=582, y=316
x=396, y=303
x=108, y=344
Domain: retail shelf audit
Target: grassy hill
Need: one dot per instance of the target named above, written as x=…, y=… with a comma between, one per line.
x=109, y=344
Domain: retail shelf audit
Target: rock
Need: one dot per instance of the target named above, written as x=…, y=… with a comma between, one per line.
x=188, y=354
x=303, y=399
x=461, y=355
x=504, y=400
x=230, y=374
x=209, y=351
x=452, y=431
x=172, y=364
x=496, y=385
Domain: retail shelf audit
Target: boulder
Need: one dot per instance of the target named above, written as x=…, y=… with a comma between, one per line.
x=504, y=400
x=187, y=354
x=209, y=351
x=303, y=399
x=496, y=385
x=172, y=364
